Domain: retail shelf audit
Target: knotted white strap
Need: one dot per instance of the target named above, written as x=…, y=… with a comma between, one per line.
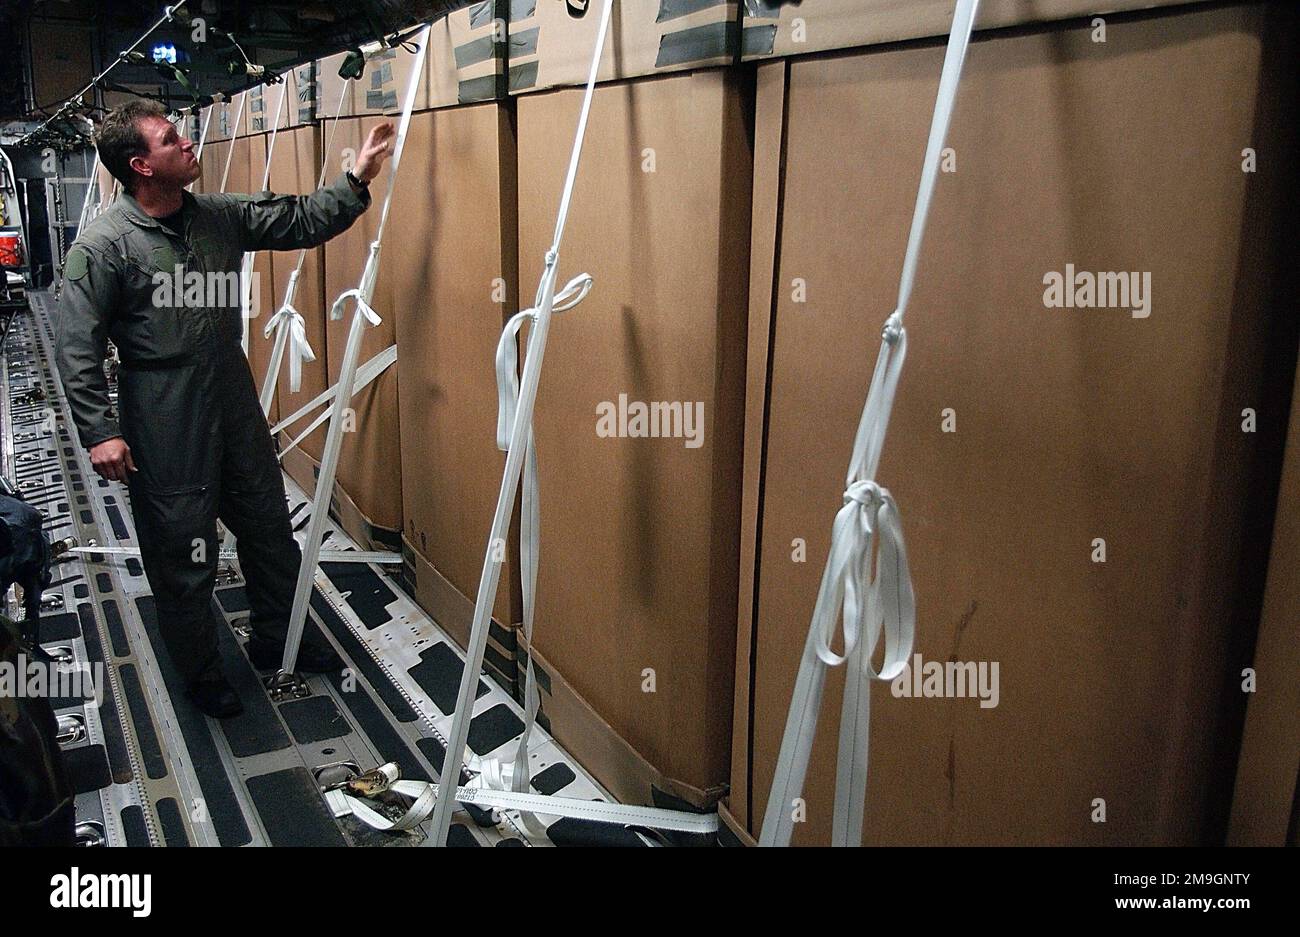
x=574, y=292
x=295, y=333
x=287, y=320
x=514, y=775
x=866, y=583
x=519, y=450
x=363, y=307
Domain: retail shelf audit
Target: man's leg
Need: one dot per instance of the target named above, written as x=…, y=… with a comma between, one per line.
x=253, y=506
x=178, y=548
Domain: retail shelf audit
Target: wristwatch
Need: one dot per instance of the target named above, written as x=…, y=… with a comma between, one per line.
x=354, y=181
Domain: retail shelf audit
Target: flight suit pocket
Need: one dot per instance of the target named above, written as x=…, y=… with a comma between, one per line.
x=172, y=309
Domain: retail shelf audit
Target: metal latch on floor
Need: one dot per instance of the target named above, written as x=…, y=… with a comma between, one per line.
x=282, y=686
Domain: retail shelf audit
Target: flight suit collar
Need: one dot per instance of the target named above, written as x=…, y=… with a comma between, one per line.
x=131, y=208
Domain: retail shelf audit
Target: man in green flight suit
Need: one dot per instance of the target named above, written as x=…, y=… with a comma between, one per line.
x=190, y=439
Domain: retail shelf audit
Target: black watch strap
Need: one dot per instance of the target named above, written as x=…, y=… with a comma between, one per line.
x=356, y=183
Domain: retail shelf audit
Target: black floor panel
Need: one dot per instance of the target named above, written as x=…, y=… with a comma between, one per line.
x=491, y=729
x=133, y=826
x=292, y=810
x=116, y=630
x=63, y=627
x=173, y=828
x=109, y=714
x=119, y=525
x=367, y=594
x=361, y=658
x=554, y=779
x=438, y=673
x=222, y=807
x=257, y=729
x=314, y=720
x=146, y=736
x=570, y=831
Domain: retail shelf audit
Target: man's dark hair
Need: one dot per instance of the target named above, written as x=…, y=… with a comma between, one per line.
x=119, y=139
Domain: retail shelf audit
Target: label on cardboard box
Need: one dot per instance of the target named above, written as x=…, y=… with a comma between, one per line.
x=774, y=28
x=550, y=48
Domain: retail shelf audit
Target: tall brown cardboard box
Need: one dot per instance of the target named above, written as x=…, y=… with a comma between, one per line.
x=637, y=586
x=370, y=463
x=452, y=259
x=1119, y=680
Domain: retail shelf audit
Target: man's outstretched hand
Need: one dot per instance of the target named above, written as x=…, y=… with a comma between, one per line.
x=377, y=148
x=112, y=459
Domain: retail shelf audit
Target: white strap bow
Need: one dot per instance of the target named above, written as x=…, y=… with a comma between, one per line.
x=299, y=348
x=574, y=292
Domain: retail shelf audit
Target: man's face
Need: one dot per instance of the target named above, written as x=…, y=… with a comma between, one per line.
x=171, y=159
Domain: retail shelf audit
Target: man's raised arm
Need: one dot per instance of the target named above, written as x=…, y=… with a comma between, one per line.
x=288, y=222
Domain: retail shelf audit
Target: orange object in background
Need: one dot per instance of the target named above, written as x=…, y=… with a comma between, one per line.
x=11, y=250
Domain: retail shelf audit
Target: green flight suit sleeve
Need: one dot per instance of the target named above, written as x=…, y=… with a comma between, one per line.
x=288, y=222
x=91, y=288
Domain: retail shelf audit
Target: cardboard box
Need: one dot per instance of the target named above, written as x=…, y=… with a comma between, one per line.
x=381, y=89
x=451, y=261
x=370, y=464
x=550, y=48
x=465, y=64
x=637, y=583
x=1264, y=805
x=467, y=55
x=779, y=28
x=1118, y=679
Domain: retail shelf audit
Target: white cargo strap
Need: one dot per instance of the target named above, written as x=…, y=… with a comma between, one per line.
x=92, y=188
x=246, y=270
x=514, y=776
x=287, y=322
x=291, y=329
x=203, y=136
x=344, y=799
x=516, y=415
x=362, y=316
x=365, y=374
x=574, y=292
x=230, y=150
x=866, y=581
